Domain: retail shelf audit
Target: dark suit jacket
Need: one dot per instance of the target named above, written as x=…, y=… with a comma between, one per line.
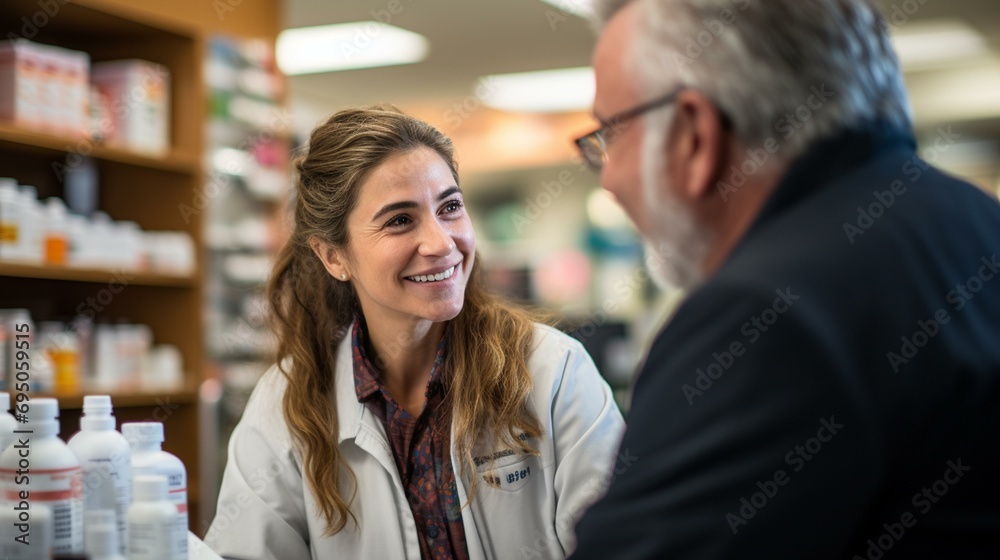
x=833, y=391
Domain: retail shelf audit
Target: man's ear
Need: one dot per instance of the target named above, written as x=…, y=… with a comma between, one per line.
x=331, y=257
x=700, y=141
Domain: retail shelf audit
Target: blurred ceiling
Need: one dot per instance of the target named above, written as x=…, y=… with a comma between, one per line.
x=473, y=38
x=468, y=38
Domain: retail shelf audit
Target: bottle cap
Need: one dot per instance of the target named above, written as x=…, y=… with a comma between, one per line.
x=143, y=432
x=97, y=413
x=150, y=488
x=42, y=409
x=42, y=415
x=98, y=405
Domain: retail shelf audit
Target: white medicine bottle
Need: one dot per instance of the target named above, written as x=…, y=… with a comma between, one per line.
x=146, y=439
x=43, y=469
x=15, y=545
x=151, y=521
x=100, y=538
x=106, y=459
x=7, y=422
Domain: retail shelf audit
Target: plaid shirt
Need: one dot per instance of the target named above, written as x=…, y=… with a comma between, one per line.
x=421, y=447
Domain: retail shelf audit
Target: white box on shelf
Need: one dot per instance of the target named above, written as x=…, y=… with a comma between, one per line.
x=139, y=95
x=43, y=87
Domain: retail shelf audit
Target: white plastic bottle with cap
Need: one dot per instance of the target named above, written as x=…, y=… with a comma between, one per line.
x=146, y=439
x=32, y=225
x=55, y=477
x=106, y=458
x=10, y=220
x=152, y=521
x=39, y=539
x=101, y=538
x=7, y=423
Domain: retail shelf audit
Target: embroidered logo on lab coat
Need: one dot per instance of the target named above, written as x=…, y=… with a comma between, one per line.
x=506, y=469
x=510, y=478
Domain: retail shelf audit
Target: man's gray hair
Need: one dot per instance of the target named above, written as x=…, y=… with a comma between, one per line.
x=797, y=71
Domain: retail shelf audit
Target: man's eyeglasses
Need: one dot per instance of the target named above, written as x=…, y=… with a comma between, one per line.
x=593, y=146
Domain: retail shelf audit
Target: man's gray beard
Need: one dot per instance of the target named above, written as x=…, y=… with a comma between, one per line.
x=677, y=244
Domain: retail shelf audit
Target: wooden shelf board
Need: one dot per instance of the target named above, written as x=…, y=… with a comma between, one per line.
x=125, y=400
x=97, y=275
x=14, y=137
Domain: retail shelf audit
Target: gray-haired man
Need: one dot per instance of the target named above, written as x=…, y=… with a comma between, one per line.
x=831, y=386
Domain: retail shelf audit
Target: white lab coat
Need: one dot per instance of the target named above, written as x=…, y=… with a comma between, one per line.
x=266, y=510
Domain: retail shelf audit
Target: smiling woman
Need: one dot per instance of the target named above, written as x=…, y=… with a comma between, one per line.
x=412, y=413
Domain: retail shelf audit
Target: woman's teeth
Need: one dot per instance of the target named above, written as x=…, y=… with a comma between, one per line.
x=433, y=277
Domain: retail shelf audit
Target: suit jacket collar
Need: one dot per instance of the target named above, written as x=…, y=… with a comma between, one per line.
x=826, y=162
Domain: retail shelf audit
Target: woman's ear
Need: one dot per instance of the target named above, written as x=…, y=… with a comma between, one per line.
x=331, y=257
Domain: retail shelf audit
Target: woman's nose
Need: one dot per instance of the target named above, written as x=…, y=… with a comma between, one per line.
x=435, y=240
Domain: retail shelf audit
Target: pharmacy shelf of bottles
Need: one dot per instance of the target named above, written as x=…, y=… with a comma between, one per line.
x=101, y=134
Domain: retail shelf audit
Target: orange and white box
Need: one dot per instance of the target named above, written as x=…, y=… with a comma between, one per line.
x=138, y=93
x=43, y=87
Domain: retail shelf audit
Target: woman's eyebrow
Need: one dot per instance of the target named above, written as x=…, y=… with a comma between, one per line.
x=392, y=207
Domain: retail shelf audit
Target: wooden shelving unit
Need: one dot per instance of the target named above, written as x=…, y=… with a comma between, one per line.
x=129, y=400
x=16, y=139
x=150, y=191
x=94, y=275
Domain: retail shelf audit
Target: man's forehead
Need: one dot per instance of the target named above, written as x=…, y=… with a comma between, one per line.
x=610, y=60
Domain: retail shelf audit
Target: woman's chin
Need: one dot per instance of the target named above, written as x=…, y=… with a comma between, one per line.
x=442, y=312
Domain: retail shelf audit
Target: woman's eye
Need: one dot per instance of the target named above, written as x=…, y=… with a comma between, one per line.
x=398, y=221
x=453, y=206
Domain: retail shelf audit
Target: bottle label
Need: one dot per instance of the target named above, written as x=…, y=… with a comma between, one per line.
x=62, y=491
x=179, y=497
x=177, y=494
x=150, y=541
x=8, y=233
x=106, y=487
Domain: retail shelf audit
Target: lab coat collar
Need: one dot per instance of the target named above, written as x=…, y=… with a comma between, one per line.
x=352, y=415
x=349, y=410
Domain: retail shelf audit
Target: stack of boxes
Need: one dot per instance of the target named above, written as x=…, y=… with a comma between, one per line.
x=123, y=103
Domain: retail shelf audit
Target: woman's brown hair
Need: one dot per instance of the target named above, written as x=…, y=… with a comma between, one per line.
x=488, y=381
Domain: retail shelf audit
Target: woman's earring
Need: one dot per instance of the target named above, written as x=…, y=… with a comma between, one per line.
x=343, y=276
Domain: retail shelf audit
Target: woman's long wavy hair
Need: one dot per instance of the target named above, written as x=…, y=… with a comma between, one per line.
x=488, y=381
